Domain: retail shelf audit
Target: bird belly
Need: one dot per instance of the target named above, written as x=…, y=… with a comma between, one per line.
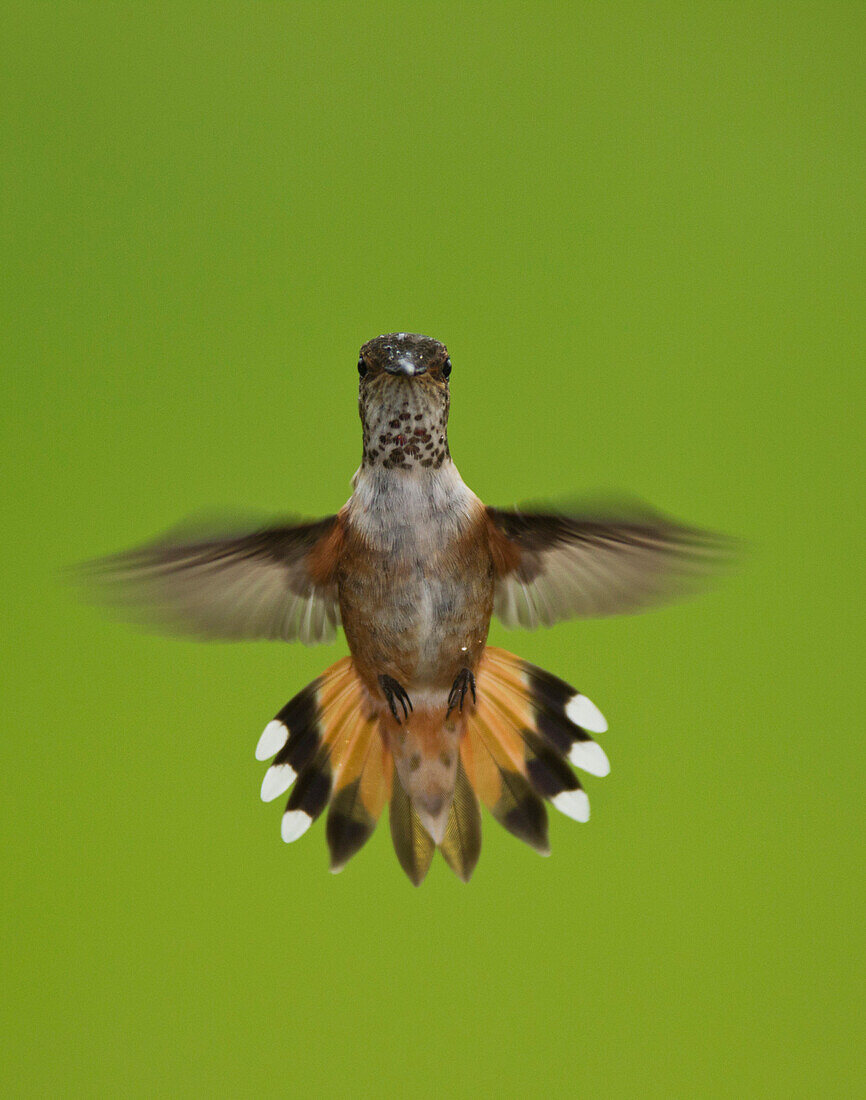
x=420, y=624
x=447, y=627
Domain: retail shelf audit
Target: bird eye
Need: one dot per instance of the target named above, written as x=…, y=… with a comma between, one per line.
x=446, y=368
x=362, y=366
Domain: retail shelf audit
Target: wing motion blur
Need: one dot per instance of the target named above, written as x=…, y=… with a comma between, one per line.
x=551, y=567
x=271, y=583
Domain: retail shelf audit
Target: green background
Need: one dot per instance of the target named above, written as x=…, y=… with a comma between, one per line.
x=639, y=228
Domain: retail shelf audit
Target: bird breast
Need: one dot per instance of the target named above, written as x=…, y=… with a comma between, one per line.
x=415, y=578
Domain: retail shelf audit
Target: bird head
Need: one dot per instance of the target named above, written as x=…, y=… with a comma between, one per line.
x=403, y=401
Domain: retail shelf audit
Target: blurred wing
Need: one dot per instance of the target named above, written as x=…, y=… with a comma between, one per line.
x=551, y=567
x=272, y=583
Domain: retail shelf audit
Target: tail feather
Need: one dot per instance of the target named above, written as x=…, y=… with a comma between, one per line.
x=563, y=716
x=326, y=742
x=360, y=792
x=527, y=723
x=537, y=759
x=501, y=787
x=548, y=773
x=296, y=734
x=336, y=750
x=339, y=720
x=308, y=799
x=461, y=845
x=412, y=843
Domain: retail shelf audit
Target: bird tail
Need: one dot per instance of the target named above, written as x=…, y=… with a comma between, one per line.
x=526, y=728
x=515, y=745
x=327, y=738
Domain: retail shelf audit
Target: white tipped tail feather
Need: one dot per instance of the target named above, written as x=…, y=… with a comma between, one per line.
x=295, y=824
x=590, y=757
x=584, y=713
x=278, y=779
x=573, y=804
x=272, y=740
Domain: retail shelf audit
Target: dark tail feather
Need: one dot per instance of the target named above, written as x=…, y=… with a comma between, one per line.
x=501, y=787
x=309, y=797
x=360, y=792
x=527, y=727
x=327, y=739
x=562, y=716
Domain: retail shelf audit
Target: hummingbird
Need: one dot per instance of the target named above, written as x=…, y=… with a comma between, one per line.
x=422, y=715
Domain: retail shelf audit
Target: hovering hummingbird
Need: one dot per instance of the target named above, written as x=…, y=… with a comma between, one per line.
x=422, y=714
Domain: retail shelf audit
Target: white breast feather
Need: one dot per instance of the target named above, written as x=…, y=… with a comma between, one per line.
x=415, y=511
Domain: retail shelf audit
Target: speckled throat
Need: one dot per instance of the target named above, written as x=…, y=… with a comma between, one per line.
x=405, y=423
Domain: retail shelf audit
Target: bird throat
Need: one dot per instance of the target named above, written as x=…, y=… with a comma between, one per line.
x=405, y=427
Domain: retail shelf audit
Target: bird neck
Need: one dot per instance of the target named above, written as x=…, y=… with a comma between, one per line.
x=417, y=502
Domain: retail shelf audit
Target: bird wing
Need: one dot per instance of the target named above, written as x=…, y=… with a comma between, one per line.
x=551, y=567
x=276, y=582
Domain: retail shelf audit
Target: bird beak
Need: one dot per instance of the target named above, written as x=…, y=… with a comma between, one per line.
x=407, y=365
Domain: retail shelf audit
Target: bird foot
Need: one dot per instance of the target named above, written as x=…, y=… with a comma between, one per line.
x=463, y=682
x=395, y=693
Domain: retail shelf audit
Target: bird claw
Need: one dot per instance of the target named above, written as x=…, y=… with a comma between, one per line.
x=393, y=690
x=463, y=682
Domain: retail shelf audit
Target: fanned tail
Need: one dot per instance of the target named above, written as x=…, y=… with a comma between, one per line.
x=330, y=743
x=326, y=741
x=527, y=726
